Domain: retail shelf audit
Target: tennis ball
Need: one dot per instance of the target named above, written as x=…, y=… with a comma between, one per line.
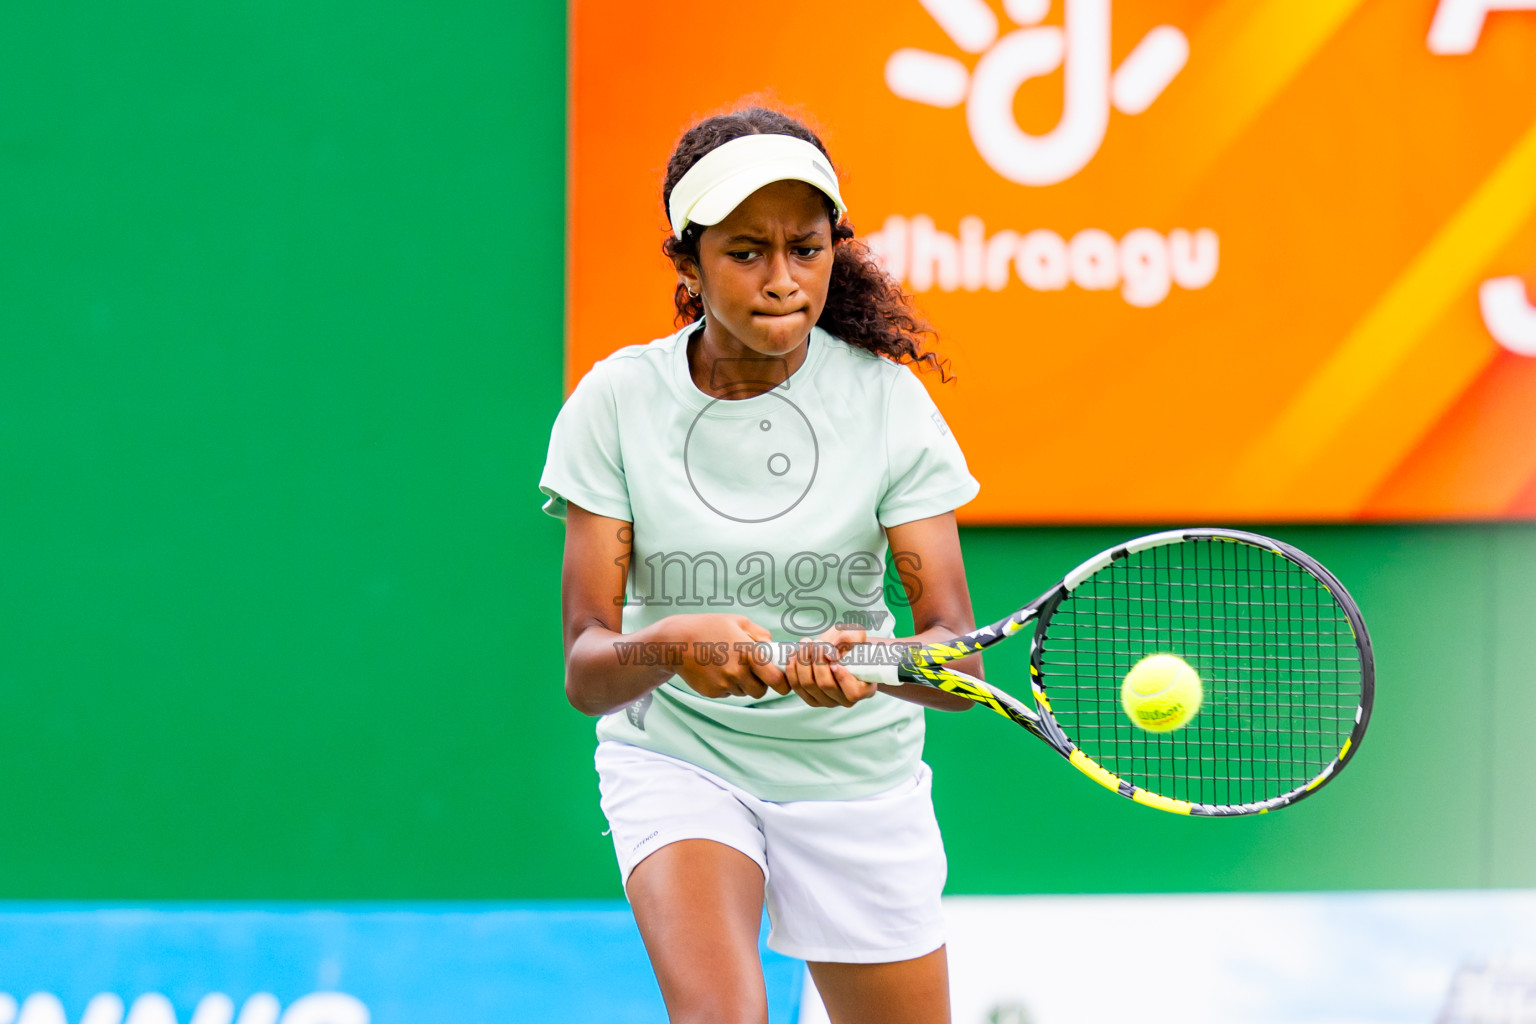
x=1161, y=693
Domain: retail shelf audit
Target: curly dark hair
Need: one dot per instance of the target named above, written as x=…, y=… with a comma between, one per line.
x=865, y=307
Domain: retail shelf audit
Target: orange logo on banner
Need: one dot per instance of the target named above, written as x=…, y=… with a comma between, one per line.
x=1192, y=261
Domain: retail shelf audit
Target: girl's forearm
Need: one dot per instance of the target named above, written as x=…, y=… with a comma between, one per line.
x=927, y=696
x=605, y=670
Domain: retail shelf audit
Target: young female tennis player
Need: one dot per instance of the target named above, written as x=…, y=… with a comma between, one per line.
x=736, y=482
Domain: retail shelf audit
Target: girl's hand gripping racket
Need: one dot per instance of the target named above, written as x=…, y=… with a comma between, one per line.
x=1279, y=647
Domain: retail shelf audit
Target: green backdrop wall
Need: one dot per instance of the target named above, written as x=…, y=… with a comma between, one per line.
x=280, y=345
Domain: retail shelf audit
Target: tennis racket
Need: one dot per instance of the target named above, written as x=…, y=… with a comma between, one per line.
x=1280, y=647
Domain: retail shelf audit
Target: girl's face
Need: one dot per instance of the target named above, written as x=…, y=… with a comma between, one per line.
x=763, y=272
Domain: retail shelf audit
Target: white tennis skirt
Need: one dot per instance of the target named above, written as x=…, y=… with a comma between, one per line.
x=845, y=881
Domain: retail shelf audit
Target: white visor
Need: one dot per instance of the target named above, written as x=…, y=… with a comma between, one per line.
x=727, y=174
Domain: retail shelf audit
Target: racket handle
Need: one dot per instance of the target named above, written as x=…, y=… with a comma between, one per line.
x=865, y=661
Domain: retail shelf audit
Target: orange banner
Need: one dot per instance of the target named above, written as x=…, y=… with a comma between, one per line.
x=1191, y=261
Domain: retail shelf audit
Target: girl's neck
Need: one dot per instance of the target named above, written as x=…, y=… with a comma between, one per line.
x=724, y=368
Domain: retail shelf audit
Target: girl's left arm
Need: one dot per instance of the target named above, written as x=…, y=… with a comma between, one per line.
x=927, y=555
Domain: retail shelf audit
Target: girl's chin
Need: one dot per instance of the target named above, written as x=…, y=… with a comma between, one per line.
x=770, y=337
x=780, y=334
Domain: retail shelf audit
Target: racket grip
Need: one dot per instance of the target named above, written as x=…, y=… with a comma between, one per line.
x=865, y=661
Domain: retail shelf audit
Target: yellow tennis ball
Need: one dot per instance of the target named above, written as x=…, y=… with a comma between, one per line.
x=1161, y=693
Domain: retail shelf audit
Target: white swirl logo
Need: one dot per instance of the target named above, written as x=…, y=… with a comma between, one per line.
x=1080, y=48
x=1508, y=312
x=1509, y=316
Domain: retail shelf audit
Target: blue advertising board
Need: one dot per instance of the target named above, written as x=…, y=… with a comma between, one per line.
x=378, y=965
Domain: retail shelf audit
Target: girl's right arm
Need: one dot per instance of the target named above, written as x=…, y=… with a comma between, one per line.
x=606, y=668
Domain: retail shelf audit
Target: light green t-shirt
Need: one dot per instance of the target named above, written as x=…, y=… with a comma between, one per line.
x=772, y=507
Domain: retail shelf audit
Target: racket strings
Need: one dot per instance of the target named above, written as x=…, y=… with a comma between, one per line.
x=1279, y=663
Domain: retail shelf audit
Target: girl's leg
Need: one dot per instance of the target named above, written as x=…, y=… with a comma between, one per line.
x=904, y=992
x=699, y=904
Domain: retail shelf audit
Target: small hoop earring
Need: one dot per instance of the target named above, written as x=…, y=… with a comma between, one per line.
x=692, y=293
